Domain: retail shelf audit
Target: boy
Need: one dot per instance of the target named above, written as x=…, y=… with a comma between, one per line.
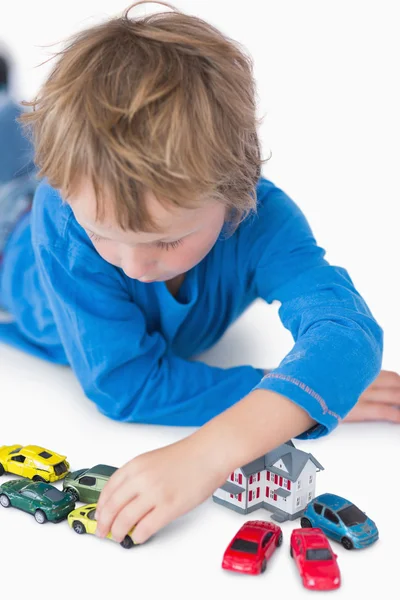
x=151, y=231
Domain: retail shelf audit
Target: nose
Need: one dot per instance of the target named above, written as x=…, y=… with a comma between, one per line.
x=137, y=263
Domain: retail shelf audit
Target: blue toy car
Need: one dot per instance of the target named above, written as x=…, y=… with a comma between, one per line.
x=340, y=520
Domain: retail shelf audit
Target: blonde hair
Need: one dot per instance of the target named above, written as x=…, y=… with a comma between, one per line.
x=163, y=102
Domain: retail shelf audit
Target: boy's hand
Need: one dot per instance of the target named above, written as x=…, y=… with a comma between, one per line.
x=156, y=487
x=379, y=402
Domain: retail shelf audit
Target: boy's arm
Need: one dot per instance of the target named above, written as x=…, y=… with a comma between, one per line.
x=338, y=344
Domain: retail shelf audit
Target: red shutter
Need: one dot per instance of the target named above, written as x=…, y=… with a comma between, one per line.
x=267, y=491
x=288, y=484
x=232, y=476
x=249, y=495
x=258, y=492
x=276, y=479
x=281, y=481
x=258, y=476
x=275, y=497
x=268, y=475
x=231, y=495
x=240, y=479
x=240, y=497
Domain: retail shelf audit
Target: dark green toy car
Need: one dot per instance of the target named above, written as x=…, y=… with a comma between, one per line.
x=86, y=484
x=44, y=501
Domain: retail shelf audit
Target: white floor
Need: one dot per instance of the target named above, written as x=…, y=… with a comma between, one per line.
x=328, y=87
x=43, y=404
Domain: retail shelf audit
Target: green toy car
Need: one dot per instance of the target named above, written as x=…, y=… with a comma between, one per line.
x=85, y=485
x=44, y=501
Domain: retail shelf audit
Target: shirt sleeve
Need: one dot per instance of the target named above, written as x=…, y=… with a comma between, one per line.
x=129, y=373
x=337, y=349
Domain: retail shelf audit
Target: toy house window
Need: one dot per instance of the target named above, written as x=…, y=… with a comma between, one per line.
x=298, y=501
x=310, y=479
x=271, y=494
x=318, y=508
x=331, y=516
x=309, y=497
x=20, y=458
x=299, y=484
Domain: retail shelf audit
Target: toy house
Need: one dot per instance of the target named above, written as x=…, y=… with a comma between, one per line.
x=282, y=481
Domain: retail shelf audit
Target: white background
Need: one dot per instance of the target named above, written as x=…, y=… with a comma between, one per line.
x=328, y=89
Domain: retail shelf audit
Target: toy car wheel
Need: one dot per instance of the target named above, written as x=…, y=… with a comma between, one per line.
x=291, y=551
x=263, y=566
x=72, y=493
x=40, y=517
x=78, y=527
x=5, y=501
x=2, y=470
x=347, y=543
x=127, y=542
x=305, y=522
x=279, y=539
x=38, y=478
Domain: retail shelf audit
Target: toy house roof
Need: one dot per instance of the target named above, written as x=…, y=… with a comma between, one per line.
x=293, y=459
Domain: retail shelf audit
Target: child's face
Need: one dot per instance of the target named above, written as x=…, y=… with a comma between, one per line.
x=185, y=238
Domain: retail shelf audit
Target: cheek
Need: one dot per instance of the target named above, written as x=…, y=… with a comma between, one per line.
x=108, y=252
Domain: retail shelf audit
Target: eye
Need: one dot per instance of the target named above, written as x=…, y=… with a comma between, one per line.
x=94, y=237
x=169, y=245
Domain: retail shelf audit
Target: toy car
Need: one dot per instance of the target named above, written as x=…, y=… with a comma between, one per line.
x=314, y=558
x=44, y=501
x=340, y=520
x=82, y=520
x=33, y=462
x=86, y=484
x=252, y=547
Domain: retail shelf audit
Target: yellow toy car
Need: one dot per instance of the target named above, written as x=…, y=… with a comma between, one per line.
x=33, y=462
x=82, y=521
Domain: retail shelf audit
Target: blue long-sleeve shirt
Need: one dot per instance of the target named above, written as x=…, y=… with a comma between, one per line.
x=130, y=343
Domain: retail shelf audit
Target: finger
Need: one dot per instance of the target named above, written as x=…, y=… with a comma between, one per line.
x=385, y=379
x=388, y=396
x=374, y=411
x=129, y=516
x=122, y=495
x=114, y=482
x=152, y=522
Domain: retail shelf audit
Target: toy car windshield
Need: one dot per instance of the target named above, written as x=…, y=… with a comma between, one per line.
x=319, y=554
x=241, y=545
x=54, y=494
x=351, y=515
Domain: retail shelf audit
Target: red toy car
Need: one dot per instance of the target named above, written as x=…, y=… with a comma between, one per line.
x=252, y=547
x=315, y=560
